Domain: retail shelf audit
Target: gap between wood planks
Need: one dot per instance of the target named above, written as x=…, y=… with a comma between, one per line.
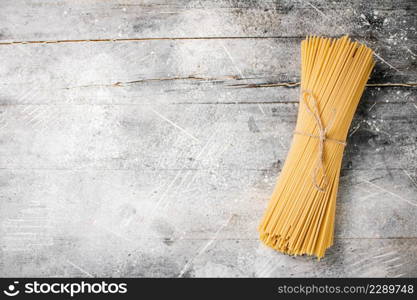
x=237, y=85
x=109, y=40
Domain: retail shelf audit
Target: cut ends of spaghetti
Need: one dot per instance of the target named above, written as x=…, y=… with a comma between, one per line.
x=300, y=216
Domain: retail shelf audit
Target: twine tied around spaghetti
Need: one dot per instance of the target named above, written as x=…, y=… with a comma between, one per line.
x=314, y=111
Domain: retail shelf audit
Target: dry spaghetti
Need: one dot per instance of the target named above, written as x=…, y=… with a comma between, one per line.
x=300, y=215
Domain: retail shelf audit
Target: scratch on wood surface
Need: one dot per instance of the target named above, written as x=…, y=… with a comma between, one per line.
x=232, y=60
x=355, y=129
x=260, y=108
x=205, y=247
x=411, y=178
x=385, y=254
x=318, y=10
x=389, y=192
x=268, y=267
x=155, y=192
x=359, y=262
x=113, y=232
x=79, y=268
x=372, y=106
x=392, y=260
x=175, y=125
x=411, y=52
x=387, y=63
x=225, y=148
x=369, y=196
x=204, y=149
x=160, y=200
x=180, y=184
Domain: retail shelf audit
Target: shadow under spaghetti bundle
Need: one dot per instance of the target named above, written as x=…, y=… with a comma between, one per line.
x=300, y=215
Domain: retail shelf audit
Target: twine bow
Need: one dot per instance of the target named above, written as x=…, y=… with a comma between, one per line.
x=314, y=111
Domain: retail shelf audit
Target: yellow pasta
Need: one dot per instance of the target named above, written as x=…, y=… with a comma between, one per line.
x=300, y=215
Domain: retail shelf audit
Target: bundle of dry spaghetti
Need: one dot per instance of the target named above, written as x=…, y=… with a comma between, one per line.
x=300, y=216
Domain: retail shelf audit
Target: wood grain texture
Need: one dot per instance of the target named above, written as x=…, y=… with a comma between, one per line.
x=145, y=138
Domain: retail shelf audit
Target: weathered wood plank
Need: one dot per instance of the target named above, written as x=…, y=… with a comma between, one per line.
x=137, y=204
x=45, y=72
x=182, y=91
x=93, y=19
x=160, y=136
x=222, y=258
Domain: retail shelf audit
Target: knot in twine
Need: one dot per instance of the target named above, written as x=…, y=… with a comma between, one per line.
x=314, y=111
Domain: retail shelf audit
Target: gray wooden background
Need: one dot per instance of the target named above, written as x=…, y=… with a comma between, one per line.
x=144, y=138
